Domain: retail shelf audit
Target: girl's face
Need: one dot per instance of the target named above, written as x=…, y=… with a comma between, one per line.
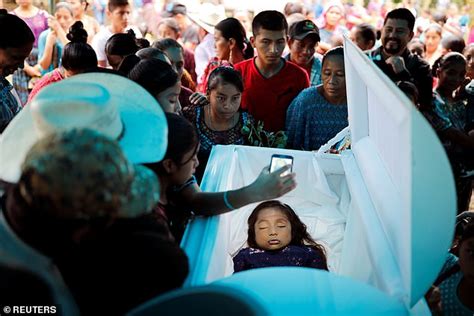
x=272, y=229
x=466, y=259
x=333, y=77
x=64, y=18
x=432, y=40
x=168, y=98
x=451, y=76
x=333, y=15
x=225, y=100
x=78, y=7
x=469, y=54
x=186, y=168
x=222, y=46
x=164, y=31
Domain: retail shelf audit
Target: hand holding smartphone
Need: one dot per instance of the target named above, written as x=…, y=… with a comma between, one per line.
x=279, y=161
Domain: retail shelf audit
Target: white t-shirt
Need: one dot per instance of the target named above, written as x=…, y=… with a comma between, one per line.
x=202, y=54
x=101, y=38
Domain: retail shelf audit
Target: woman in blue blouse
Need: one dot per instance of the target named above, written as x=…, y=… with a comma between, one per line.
x=317, y=114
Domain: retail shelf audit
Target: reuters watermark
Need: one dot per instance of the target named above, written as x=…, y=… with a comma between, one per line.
x=27, y=310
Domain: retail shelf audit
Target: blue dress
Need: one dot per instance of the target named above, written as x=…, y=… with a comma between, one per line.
x=292, y=255
x=311, y=121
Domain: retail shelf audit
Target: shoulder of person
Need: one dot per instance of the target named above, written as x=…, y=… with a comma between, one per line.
x=243, y=64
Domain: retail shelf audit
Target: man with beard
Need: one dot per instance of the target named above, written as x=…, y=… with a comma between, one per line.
x=396, y=61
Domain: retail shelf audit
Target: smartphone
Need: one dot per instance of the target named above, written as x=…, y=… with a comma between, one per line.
x=279, y=161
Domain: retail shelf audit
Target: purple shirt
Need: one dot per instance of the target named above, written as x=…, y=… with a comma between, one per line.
x=37, y=23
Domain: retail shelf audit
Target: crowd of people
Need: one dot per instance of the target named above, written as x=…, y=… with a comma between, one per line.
x=106, y=130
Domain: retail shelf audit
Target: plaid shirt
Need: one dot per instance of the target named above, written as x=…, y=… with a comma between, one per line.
x=9, y=105
x=315, y=75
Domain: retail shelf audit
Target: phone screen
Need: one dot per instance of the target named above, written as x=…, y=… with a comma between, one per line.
x=279, y=161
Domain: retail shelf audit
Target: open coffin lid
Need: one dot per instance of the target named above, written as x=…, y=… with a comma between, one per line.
x=400, y=183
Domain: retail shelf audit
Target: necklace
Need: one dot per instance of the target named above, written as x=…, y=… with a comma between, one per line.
x=234, y=120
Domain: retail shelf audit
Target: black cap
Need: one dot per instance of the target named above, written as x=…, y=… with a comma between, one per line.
x=299, y=30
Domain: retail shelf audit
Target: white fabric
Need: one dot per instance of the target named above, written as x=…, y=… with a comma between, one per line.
x=202, y=54
x=315, y=200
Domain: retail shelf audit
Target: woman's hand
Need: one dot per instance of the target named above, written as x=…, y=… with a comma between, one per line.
x=198, y=99
x=272, y=185
x=32, y=71
x=53, y=24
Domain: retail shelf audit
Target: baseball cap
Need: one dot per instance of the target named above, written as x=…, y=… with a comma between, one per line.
x=300, y=30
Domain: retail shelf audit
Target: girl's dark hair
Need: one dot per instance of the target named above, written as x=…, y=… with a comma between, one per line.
x=336, y=51
x=232, y=28
x=122, y=44
x=450, y=58
x=225, y=74
x=409, y=89
x=299, y=233
x=154, y=75
x=446, y=60
x=182, y=138
x=127, y=64
x=367, y=32
x=453, y=43
x=167, y=43
x=18, y=34
x=78, y=55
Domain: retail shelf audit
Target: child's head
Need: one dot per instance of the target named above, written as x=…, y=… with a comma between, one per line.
x=175, y=53
x=274, y=225
x=180, y=160
x=78, y=56
x=416, y=47
x=224, y=91
x=452, y=44
x=451, y=71
x=410, y=90
x=119, y=46
x=118, y=12
x=168, y=28
x=469, y=54
x=160, y=80
x=269, y=36
x=364, y=35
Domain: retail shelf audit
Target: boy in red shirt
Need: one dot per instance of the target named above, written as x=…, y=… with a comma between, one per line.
x=270, y=82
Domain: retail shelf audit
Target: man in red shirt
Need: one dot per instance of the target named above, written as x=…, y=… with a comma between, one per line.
x=270, y=82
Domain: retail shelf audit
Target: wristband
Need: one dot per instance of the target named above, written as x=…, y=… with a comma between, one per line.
x=226, y=201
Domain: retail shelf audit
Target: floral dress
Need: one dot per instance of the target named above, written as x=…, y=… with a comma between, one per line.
x=209, y=137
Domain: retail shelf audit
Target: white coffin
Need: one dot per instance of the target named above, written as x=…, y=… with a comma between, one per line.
x=385, y=210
